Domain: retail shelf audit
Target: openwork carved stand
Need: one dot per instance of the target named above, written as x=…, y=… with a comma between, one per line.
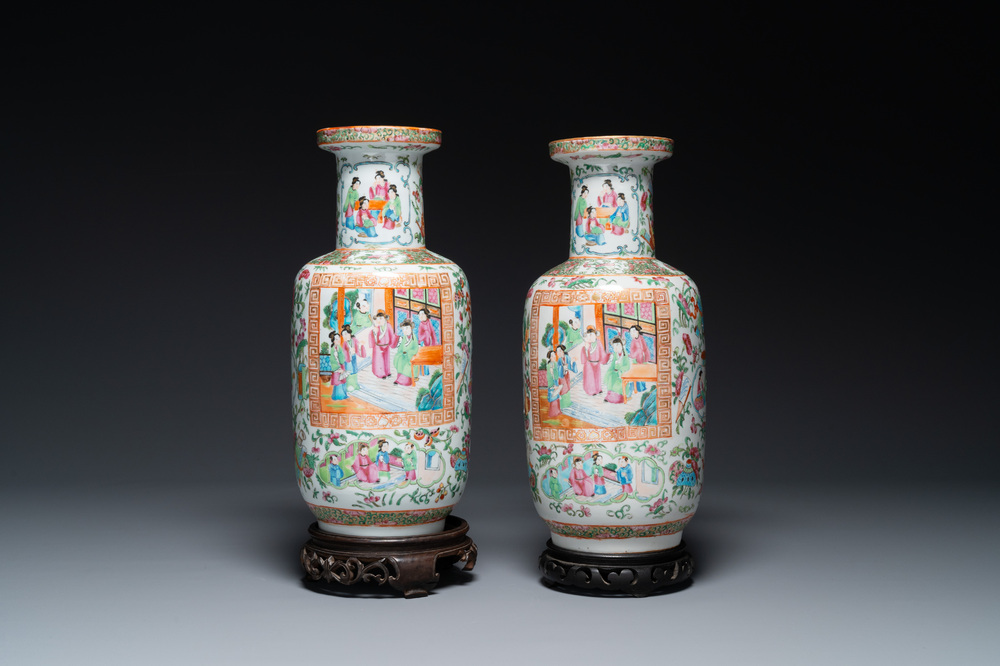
x=409, y=564
x=638, y=574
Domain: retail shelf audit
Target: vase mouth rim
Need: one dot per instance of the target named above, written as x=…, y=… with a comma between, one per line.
x=378, y=133
x=612, y=143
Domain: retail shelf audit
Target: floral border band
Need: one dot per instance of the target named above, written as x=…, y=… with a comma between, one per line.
x=365, y=518
x=612, y=144
x=379, y=134
x=617, y=531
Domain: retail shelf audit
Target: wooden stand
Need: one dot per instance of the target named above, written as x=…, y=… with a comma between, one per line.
x=408, y=564
x=637, y=574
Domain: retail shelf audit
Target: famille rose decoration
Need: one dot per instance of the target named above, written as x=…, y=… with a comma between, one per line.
x=381, y=371
x=614, y=379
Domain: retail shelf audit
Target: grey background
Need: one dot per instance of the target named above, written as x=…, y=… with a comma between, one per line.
x=830, y=193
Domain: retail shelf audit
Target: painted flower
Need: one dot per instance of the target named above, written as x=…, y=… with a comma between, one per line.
x=585, y=510
x=454, y=428
x=567, y=507
x=326, y=496
x=544, y=451
x=680, y=380
x=695, y=452
x=308, y=471
x=652, y=450
x=687, y=343
x=304, y=275
x=315, y=449
x=642, y=201
x=569, y=448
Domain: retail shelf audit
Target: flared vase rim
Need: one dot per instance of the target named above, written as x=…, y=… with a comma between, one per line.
x=348, y=134
x=612, y=143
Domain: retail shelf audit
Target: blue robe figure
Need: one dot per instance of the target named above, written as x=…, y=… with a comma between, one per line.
x=336, y=474
x=619, y=218
x=624, y=473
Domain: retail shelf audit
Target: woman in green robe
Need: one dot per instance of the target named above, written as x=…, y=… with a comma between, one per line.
x=350, y=199
x=580, y=211
x=392, y=209
x=619, y=364
x=406, y=349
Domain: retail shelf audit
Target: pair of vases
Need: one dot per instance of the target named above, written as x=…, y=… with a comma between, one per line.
x=613, y=358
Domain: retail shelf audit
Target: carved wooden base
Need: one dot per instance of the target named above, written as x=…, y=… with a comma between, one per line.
x=408, y=564
x=638, y=574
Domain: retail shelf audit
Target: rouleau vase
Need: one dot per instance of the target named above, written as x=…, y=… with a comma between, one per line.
x=614, y=365
x=381, y=350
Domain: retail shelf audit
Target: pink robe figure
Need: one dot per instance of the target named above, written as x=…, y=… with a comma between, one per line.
x=554, y=409
x=364, y=469
x=640, y=352
x=564, y=383
x=352, y=348
x=426, y=335
x=606, y=200
x=591, y=223
x=581, y=482
x=592, y=358
x=364, y=219
x=378, y=192
x=380, y=342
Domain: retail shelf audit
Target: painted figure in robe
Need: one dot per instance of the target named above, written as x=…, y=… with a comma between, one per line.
x=406, y=348
x=638, y=352
x=617, y=366
x=579, y=480
x=381, y=338
x=592, y=357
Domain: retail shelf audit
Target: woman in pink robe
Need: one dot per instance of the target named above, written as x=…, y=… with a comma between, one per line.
x=606, y=199
x=592, y=356
x=381, y=338
x=426, y=335
x=639, y=352
x=363, y=466
x=580, y=481
x=380, y=190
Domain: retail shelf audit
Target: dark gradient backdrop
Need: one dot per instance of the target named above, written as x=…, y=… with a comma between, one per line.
x=830, y=192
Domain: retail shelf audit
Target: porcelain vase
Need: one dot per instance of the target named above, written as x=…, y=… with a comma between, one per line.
x=614, y=365
x=381, y=350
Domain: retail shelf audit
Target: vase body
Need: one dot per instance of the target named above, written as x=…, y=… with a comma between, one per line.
x=614, y=365
x=381, y=350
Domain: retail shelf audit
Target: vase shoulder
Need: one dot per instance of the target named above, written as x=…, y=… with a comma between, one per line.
x=380, y=257
x=639, y=267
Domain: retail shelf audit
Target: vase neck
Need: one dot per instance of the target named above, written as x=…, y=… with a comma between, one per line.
x=611, y=181
x=380, y=197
